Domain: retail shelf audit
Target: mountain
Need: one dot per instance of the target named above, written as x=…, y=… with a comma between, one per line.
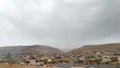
x=112, y=47
x=47, y=50
x=31, y=50
x=66, y=49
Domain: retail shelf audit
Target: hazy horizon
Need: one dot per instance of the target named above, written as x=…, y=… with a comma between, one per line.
x=59, y=23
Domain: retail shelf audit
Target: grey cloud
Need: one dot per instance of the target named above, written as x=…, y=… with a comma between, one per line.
x=64, y=24
x=108, y=21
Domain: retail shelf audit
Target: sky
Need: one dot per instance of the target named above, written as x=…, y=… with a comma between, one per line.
x=59, y=23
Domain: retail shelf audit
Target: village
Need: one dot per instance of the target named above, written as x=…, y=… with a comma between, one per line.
x=74, y=59
x=97, y=57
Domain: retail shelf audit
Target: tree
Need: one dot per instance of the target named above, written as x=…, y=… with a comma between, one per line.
x=8, y=57
x=97, y=61
x=114, y=59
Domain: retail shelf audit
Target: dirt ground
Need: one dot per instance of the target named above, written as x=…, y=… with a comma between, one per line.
x=21, y=66
x=15, y=66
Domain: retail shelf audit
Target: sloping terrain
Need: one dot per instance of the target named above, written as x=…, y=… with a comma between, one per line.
x=94, y=48
x=33, y=50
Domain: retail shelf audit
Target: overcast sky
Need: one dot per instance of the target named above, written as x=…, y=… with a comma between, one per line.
x=59, y=23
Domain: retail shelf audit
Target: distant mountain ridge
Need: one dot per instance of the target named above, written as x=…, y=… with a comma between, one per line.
x=33, y=50
x=42, y=49
x=66, y=50
x=95, y=48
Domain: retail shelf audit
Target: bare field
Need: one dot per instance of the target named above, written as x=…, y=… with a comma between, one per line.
x=15, y=66
x=21, y=66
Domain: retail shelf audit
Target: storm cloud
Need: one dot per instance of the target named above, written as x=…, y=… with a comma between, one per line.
x=59, y=23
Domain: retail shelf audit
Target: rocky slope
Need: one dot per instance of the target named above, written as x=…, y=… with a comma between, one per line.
x=112, y=47
x=31, y=50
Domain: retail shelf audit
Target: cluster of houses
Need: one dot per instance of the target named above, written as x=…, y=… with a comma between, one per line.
x=97, y=57
x=40, y=60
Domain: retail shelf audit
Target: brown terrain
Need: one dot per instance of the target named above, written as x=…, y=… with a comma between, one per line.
x=40, y=49
x=95, y=48
x=15, y=66
x=29, y=50
x=22, y=66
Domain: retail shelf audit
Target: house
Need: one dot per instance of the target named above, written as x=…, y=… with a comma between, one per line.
x=118, y=58
x=27, y=57
x=49, y=60
x=106, y=58
x=82, y=58
x=32, y=62
x=1, y=60
x=77, y=67
x=21, y=63
x=98, y=55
